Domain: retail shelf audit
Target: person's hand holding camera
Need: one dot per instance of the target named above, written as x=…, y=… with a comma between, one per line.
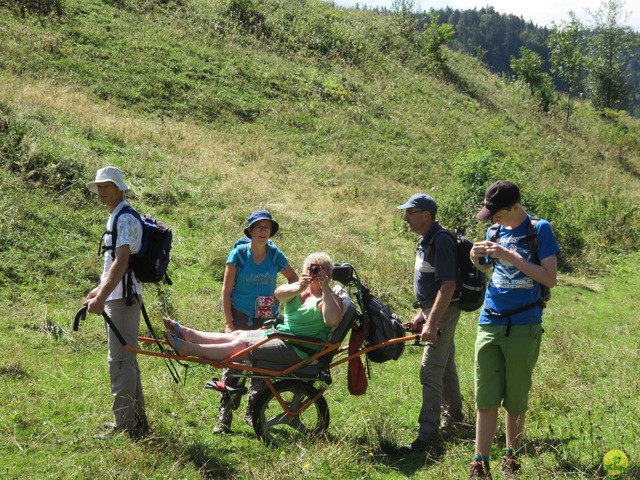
x=318, y=274
x=479, y=252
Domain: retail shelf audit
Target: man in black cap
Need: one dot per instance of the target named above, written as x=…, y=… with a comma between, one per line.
x=510, y=330
x=434, y=285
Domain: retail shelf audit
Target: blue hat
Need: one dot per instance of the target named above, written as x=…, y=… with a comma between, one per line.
x=423, y=202
x=261, y=215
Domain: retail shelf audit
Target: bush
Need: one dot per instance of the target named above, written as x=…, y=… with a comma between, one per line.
x=473, y=172
x=246, y=14
x=37, y=7
x=142, y=6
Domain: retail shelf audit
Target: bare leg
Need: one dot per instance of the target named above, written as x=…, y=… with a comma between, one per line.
x=514, y=428
x=218, y=351
x=486, y=426
x=198, y=336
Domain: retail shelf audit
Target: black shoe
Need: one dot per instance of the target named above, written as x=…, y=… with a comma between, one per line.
x=417, y=446
x=135, y=433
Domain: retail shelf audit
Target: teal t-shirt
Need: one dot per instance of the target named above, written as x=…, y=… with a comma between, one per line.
x=253, y=280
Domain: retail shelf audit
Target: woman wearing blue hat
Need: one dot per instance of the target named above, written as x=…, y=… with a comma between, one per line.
x=250, y=278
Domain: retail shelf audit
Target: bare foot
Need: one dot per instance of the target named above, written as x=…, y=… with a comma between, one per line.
x=173, y=340
x=173, y=327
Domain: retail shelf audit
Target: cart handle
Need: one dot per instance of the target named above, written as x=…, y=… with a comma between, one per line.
x=82, y=315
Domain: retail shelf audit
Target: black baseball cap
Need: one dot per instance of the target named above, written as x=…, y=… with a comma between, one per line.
x=500, y=194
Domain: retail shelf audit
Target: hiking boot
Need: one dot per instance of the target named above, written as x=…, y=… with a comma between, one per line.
x=224, y=421
x=479, y=469
x=510, y=467
x=110, y=432
x=138, y=432
x=417, y=446
x=453, y=424
x=247, y=416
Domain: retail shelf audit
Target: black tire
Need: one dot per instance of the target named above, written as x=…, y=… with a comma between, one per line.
x=275, y=427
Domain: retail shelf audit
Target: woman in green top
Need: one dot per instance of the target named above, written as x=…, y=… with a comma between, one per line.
x=310, y=308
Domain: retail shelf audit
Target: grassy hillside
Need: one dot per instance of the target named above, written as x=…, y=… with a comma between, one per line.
x=330, y=119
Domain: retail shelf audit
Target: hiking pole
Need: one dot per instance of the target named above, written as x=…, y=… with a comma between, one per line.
x=82, y=315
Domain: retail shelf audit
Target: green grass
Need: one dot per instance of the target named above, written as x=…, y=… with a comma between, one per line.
x=583, y=404
x=330, y=119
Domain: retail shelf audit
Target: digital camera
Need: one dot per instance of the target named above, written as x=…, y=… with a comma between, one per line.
x=314, y=269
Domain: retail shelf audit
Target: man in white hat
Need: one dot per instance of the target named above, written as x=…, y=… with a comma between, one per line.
x=111, y=296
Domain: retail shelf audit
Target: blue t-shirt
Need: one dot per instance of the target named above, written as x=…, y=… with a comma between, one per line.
x=509, y=288
x=253, y=280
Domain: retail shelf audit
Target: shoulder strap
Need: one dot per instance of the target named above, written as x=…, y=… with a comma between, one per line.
x=114, y=230
x=444, y=230
x=272, y=252
x=242, y=255
x=532, y=238
x=493, y=232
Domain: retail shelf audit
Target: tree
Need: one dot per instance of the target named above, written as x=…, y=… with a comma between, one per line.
x=609, y=48
x=529, y=68
x=568, y=56
x=434, y=37
x=406, y=20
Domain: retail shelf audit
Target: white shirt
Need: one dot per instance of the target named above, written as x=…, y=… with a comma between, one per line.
x=129, y=233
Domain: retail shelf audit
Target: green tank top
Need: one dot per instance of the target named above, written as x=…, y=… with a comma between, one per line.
x=303, y=319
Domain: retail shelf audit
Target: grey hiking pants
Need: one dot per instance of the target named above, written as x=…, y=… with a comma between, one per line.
x=126, y=386
x=439, y=377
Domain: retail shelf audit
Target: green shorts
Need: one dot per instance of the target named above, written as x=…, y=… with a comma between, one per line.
x=504, y=366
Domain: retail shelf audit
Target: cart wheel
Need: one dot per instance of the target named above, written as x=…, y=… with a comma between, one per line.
x=271, y=422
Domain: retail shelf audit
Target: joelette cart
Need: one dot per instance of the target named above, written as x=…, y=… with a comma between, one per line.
x=292, y=404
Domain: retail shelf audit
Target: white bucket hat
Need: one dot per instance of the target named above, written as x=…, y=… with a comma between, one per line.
x=108, y=174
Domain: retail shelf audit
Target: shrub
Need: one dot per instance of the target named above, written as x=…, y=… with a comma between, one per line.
x=12, y=147
x=434, y=37
x=529, y=69
x=142, y=6
x=246, y=14
x=37, y=7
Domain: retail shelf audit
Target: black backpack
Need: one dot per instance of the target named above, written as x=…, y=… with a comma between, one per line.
x=471, y=282
x=381, y=324
x=150, y=264
x=532, y=241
